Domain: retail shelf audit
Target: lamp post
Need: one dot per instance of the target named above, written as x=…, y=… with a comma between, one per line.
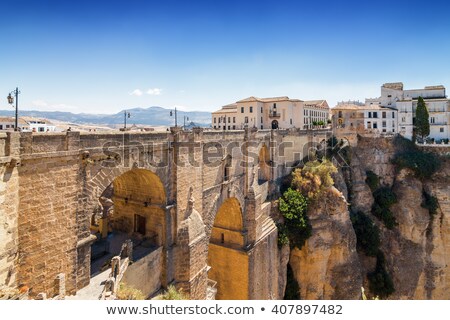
x=11, y=101
x=184, y=121
x=174, y=114
x=125, y=116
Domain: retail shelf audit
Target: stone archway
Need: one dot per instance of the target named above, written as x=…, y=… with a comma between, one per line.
x=133, y=206
x=227, y=258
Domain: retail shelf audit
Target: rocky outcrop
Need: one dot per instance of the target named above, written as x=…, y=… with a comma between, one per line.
x=327, y=266
x=416, y=249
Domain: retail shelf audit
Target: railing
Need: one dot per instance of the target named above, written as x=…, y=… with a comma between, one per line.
x=274, y=114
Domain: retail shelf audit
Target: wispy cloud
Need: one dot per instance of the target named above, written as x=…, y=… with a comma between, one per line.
x=154, y=91
x=136, y=92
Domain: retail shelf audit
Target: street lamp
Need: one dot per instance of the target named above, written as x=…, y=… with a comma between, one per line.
x=11, y=101
x=185, y=118
x=174, y=113
x=125, y=116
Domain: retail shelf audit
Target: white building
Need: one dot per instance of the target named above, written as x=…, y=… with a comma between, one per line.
x=27, y=124
x=8, y=123
x=271, y=113
x=39, y=125
x=405, y=102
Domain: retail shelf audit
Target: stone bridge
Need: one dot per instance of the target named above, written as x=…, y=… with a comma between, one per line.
x=199, y=201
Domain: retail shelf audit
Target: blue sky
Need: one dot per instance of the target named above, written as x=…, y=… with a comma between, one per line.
x=104, y=56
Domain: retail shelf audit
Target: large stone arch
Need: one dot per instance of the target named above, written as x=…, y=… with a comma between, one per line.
x=227, y=258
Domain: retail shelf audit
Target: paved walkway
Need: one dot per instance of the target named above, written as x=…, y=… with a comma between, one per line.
x=94, y=289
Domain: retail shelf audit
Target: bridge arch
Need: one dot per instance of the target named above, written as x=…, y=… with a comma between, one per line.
x=227, y=260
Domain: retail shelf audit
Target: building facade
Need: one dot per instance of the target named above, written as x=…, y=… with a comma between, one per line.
x=271, y=113
x=404, y=102
x=27, y=124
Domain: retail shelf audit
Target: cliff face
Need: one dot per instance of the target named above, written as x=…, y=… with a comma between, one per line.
x=417, y=250
x=327, y=266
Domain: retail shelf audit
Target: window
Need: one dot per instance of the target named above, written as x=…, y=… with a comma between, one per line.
x=1, y=126
x=215, y=127
x=234, y=119
x=389, y=95
x=234, y=127
x=275, y=105
x=383, y=115
x=441, y=130
x=370, y=114
x=246, y=120
x=261, y=119
x=214, y=120
x=261, y=110
x=384, y=130
x=393, y=130
x=229, y=119
x=384, y=124
x=403, y=119
x=242, y=109
x=340, y=114
x=375, y=125
x=229, y=127
x=393, y=115
x=251, y=109
x=291, y=121
x=220, y=119
x=432, y=120
x=262, y=127
x=375, y=114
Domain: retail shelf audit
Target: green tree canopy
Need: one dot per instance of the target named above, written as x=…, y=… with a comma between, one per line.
x=422, y=126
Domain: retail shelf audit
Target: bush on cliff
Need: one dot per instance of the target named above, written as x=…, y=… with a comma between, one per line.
x=367, y=233
x=383, y=199
x=313, y=178
x=380, y=282
x=293, y=206
x=430, y=202
x=408, y=155
x=372, y=180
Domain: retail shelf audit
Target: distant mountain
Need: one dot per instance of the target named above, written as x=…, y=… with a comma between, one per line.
x=153, y=116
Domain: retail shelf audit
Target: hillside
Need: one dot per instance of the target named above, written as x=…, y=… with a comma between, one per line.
x=154, y=116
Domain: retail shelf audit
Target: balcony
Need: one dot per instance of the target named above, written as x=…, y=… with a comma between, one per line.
x=273, y=114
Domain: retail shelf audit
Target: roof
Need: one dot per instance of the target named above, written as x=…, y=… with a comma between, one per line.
x=29, y=119
x=318, y=103
x=348, y=107
x=225, y=111
x=394, y=85
x=271, y=99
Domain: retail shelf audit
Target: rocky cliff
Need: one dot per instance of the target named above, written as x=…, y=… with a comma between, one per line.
x=416, y=250
x=327, y=266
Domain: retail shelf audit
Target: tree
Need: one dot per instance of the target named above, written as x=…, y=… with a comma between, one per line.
x=293, y=206
x=422, y=119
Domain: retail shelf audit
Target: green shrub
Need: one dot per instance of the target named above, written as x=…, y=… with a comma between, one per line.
x=293, y=206
x=127, y=292
x=367, y=233
x=372, y=180
x=380, y=282
x=430, y=202
x=173, y=294
x=423, y=164
x=292, y=288
x=383, y=199
x=283, y=235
